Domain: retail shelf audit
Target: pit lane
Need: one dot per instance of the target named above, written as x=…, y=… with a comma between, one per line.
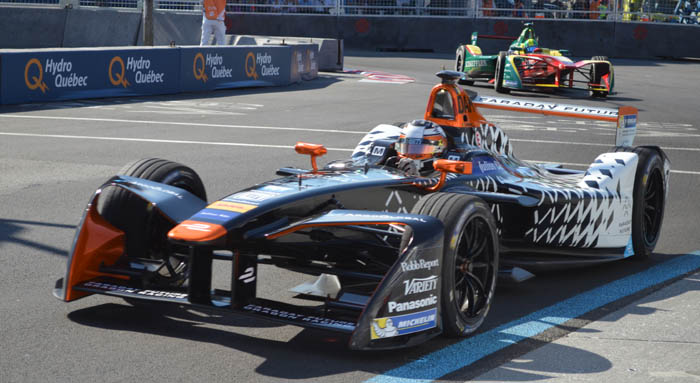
x=54, y=155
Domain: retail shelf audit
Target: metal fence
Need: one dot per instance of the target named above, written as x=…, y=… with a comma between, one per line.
x=671, y=11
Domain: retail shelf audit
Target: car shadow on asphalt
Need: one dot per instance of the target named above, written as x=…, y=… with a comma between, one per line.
x=11, y=229
x=327, y=352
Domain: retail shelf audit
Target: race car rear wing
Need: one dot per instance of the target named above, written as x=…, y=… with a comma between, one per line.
x=624, y=116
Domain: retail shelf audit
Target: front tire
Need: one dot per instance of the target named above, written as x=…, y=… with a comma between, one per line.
x=146, y=230
x=499, y=74
x=459, y=66
x=649, y=201
x=596, y=75
x=470, y=259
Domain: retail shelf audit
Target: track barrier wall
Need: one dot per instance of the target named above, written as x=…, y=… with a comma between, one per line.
x=65, y=74
x=110, y=27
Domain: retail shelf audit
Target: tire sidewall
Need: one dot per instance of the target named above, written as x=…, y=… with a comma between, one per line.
x=649, y=161
x=452, y=319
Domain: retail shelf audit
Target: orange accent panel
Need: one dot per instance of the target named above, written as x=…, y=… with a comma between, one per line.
x=471, y=116
x=297, y=228
x=462, y=167
x=98, y=242
x=232, y=206
x=314, y=150
x=195, y=231
x=546, y=112
x=627, y=110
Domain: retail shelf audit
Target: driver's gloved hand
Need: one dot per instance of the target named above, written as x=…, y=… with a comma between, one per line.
x=409, y=166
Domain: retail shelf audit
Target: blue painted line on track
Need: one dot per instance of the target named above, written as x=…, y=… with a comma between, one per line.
x=470, y=350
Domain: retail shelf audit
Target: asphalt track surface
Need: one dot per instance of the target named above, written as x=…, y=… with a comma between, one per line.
x=53, y=156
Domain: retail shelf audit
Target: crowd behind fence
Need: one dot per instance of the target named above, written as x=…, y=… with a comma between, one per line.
x=671, y=11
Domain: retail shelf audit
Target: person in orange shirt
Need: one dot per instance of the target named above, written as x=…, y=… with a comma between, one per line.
x=594, y=5
x=213, y=21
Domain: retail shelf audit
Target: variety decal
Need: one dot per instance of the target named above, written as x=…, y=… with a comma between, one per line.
x=140, y=68
x=420, y=285
x=61, y=72
x=232, y=206
x=403, y=324
x=412, y=305
x=420, y=264
x=262, y=60
x=213, y=62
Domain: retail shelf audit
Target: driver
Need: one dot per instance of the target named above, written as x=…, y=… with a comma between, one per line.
x=420, y=142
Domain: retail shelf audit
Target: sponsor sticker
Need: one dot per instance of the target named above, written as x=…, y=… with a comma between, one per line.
x=139, y=69
x=276, y=188
x=318, y=321
x=61, y=71
x=420, y=285
x=254, y=196
x=420, y=264
x=232, y=206
x=216, y=215
x=403, y=324
x=412, y=305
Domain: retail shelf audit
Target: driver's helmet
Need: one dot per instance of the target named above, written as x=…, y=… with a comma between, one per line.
x=421, y=140
x=530, y=45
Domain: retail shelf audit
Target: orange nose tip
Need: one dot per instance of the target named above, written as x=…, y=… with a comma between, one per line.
x=195, y=231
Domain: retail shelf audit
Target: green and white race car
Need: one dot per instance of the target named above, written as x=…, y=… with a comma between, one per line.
x=526, y=66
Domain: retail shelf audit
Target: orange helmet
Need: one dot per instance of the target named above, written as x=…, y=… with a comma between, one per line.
x=421, y=140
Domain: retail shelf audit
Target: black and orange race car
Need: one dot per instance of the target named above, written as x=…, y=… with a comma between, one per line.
x=398, y=257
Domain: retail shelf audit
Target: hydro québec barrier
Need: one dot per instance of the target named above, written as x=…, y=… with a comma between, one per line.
x=65, y=74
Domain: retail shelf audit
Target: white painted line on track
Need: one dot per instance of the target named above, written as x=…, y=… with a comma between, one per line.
x=160, y=141
x=153, y=140
x=149, y=122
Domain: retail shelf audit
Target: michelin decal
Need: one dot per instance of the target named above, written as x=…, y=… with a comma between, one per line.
x=403, y=324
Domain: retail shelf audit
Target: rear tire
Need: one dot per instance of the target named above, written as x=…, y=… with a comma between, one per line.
x=470, y=259
x=500, y=70
x=596, y=76
x=145, y=229
x=649, y=201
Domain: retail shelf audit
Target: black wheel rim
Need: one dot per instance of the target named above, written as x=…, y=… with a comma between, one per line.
x=474, y=270
x=653, y=207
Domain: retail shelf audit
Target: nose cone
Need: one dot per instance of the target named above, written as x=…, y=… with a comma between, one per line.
x=195, y=231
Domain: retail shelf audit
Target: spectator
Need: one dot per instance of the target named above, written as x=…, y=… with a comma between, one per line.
x=214, y=12
x=593, y=8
